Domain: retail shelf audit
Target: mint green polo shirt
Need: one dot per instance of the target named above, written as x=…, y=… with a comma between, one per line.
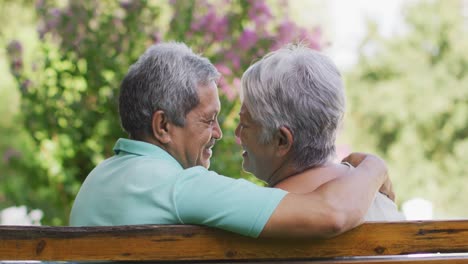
x=143, y=184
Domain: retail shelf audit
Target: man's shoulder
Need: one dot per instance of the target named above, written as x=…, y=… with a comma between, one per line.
x=127, y=189
x=122, y=163
x=202, y=174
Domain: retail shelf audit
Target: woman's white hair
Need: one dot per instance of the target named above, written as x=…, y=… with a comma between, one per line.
x=301, y=89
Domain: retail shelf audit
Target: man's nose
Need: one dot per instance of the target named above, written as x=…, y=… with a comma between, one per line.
x=217, y=133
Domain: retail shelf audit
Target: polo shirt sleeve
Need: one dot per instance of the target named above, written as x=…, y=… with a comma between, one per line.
x=207, y=198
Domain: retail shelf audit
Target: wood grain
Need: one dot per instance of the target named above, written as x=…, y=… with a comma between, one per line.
x=189, y=243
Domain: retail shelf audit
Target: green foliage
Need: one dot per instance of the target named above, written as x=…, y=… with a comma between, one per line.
x=18, y=23
x=69, y=95
x=408, y=101
x=69, y=90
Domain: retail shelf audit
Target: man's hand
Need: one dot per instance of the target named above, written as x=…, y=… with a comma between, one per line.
x=356, y=158
x=387, y=189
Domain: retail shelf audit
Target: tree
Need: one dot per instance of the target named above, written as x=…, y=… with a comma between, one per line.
x=69, y=94
x=408, y=101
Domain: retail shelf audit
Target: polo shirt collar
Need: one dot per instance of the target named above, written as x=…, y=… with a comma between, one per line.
x=141, y=148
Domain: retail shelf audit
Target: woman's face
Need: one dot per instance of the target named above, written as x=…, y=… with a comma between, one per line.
x=259, y=159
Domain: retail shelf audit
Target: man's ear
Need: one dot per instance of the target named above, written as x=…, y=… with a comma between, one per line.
x=284, y=141
x=160, y=127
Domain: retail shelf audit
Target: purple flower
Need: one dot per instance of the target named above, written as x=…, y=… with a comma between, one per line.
x=55, y=12
x=286, y=31
x=205, y=23
x=234, y=58
x=226, y=89
x=129, y=5
x=210, y=20
x=196, y=26
x=156, y=37
x=247, y=39
x=260, y=52
x=9, y=154
x=315, y=39
x=16, y=65
x=40, y=4
x=259, y=13
x=223, y=69
x=189, y=34
x=15, y=48
x=41, y=29
x=24, y=86
x=212, y=26
x=50, y=22
x=236, y=85
x=221, y=29
x=126, y=4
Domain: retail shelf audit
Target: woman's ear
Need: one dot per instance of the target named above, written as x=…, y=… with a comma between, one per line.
x=284, y=141
x=160, y=127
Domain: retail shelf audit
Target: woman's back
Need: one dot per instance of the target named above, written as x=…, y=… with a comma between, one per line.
x=382, y=209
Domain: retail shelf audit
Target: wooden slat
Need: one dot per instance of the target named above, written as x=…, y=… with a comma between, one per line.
x=165, y=243
x=389, y=260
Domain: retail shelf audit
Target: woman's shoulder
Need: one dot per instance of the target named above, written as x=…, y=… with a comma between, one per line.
x=311, y=179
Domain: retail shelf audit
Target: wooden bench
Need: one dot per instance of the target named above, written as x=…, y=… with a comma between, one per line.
x=444, y=241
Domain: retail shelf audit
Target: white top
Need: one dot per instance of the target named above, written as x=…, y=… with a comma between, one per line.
x=383, y=209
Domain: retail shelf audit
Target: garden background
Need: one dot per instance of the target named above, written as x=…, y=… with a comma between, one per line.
x=61, y=63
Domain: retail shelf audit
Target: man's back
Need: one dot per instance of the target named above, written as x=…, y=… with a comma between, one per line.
x=104, y=197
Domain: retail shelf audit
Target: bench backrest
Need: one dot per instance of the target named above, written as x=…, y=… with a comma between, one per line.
x=369, y=242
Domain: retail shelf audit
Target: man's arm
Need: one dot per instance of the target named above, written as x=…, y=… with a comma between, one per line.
x=333, y=208
x=387, y=189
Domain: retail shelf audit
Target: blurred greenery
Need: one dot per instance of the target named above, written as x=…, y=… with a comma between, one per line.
x=407, y=95
x=408, y=100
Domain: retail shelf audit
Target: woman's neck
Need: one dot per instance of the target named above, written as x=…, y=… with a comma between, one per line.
x=285, y=170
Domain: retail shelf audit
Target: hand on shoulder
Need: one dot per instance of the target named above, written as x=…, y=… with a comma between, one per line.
x=375, y=164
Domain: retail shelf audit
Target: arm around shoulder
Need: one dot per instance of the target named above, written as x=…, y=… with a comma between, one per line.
x=332, y=209
x=304, y=215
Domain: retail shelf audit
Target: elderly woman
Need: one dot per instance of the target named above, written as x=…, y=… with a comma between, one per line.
x=293, y=102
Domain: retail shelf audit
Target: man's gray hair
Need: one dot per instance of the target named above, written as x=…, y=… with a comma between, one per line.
x=301, y=89
x=165, y=78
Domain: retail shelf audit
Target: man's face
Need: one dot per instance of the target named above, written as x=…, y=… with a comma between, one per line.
x=259, y=158
x=194, y=141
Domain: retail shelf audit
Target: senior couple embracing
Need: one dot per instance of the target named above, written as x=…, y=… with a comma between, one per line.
x=292, y=105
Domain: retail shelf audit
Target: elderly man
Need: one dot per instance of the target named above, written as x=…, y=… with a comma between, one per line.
x=293, y=103
x=169, y=106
